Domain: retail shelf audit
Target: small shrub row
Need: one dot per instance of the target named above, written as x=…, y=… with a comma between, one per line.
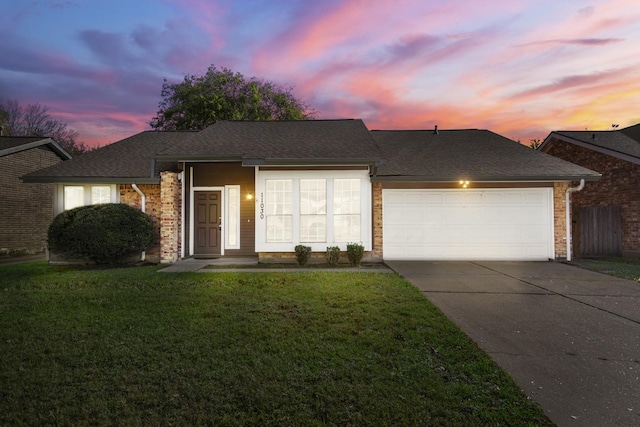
x=355, y=252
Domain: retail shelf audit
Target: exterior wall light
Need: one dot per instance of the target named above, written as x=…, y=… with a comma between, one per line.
x=464, y=184
x=249, y=196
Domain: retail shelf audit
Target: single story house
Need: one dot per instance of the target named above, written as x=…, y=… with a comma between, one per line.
x=606, y=213
x=26, y=210
x=243, y=188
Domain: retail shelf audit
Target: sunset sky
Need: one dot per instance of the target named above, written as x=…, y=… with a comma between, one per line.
x=520, y=68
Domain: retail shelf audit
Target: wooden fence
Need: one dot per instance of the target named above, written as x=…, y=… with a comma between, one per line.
x=597, y=231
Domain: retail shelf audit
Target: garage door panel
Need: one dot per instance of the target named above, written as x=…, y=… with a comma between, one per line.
x=488, y=224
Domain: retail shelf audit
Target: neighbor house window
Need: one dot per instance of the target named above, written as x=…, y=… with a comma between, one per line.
x=313, y=210
x=346, y=210
x=279, y=210
x=73, y=196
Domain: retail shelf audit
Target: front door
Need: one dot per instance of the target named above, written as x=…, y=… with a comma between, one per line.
x=207, y=223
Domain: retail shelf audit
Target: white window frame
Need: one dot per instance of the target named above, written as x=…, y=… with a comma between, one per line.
x=261, y=244
x=59, y=202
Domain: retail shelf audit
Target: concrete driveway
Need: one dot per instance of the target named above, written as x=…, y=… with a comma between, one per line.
x=569, y=337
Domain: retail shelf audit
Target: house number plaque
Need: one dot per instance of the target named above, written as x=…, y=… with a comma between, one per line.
x=261, y=205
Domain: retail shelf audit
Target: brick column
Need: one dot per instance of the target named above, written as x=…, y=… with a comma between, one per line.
x=170, y=218
x=560, y=219
x=377, y=220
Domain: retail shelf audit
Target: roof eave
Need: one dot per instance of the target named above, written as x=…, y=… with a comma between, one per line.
x=198, y=157
x=311, y=162
x=61, y=152
x=88, y=180
x=411, y=178
x=559, y=136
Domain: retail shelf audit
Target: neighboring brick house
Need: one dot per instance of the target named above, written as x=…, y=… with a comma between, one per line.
x=607, y=212
x=243, y=188
x=26, y=210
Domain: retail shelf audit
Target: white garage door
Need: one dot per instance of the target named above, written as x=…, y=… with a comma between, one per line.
x=468, y=224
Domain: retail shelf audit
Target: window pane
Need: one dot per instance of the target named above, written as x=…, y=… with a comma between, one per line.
x=313, y=196
x=279, y=196
x=73, y=196
x=346, y=209
x=313, y=228
x=279, y=210
x=313, y=209
x=100, y=194
x=346, y=228
x=346, y=196
x=233, y=217
x=279, y=228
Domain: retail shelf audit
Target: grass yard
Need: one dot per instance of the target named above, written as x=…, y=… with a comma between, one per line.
x=628, y=268
x=134, y=347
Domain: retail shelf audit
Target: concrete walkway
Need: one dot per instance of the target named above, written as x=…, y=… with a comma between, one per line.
x=22, y=258
x=236, y=265
x=569, y=337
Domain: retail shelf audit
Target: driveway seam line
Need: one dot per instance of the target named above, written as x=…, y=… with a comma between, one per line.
x=558, y=293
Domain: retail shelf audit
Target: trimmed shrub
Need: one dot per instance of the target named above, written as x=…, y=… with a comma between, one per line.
x=355, y=252
x=103, y=233
x=303, y=253
x=333, y=255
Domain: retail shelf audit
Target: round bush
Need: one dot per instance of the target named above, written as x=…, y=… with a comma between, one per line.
x=102, y=233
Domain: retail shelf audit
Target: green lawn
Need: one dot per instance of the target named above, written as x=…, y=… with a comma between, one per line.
x=134, y=347
x=628, y=268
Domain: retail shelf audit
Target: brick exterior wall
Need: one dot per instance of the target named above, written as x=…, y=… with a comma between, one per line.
x=377, y=220
x=170, y=218
x=130, y=197
x=619, y=186
x=26, y=209
x=560, y=218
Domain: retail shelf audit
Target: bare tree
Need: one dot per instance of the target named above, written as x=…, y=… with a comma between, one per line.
x=34, y=120
x=535, y=143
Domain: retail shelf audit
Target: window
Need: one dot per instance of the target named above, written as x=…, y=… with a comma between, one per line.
x=233, y=217
x=73, y=196
x=346, y=210
x=279, y=210
x=100, y=194
x=313, y=210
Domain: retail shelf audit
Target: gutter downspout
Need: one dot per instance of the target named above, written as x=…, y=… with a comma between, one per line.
x=143, y=205
x=568, y=212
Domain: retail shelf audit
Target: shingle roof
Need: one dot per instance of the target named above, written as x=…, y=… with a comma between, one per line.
x=414, y=155
x=632, y=132
x=306, y=141
x=14, y=144
x=479, y=155
x=624, y=141
x=125, y=161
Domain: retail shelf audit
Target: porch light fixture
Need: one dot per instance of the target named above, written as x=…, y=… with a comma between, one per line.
x=464, y=184
x=249, y=196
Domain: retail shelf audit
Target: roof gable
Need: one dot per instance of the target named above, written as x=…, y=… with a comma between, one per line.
x=263, y=142
x=470, y=154
x=15, y=144
x=129, y=160
x=623, y=144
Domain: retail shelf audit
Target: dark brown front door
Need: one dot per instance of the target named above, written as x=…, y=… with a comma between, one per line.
x=208, y=223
